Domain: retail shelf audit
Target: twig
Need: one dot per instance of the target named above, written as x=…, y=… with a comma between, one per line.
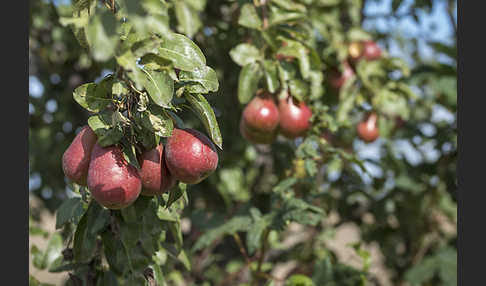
x=242, y=248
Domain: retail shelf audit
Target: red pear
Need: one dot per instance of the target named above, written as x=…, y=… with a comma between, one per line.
x=155, y=176
x=76, y=158
x=294, y=118
x=112, y=181
x=259, y=120
x=337, y=79
x=371, y=50
x=255, y=136
x=190, y=156
x=368, y=129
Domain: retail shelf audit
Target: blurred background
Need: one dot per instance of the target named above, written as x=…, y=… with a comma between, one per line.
x=423, y=32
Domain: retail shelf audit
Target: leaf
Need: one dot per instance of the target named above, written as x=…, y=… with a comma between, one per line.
x=187, y=18
x=114, y=252
x=183, y=52
x=145, y=46
x=205, y=80
x=299, y=280
x=311, y=167
x=297, y=50
x=280, y=16
x=159, y=86
x=101, y=36
x=92, y=222
x=165, y=214
x=248, y=80
x=203, y=110
x=198, y=5
x=154, y=62
x=270, y=69
x=249, y=17
x=91, y=97
x=290, y=5
x=130, y=154
x=244, y=54
x=254, y=235
x=299, y=89
x=70, y=210
x=284, y=185
x=107, y=135
x=235, y=224
x=37, y=257
x=175, y=194
x=34, y=282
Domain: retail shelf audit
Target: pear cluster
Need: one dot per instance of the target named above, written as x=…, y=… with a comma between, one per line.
x=367, y=50
x=262, y=119
x=188, y=156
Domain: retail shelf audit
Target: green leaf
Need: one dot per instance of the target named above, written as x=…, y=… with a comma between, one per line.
x=159, y=86
x=175, y=194
x=187, y=18
x=198, y=5
x=101, y=35
x=130, y=154
x=165, y=214
x=280, y=16
x=249, y=17
x=201, y=80
x=297, y=50
x=114, y=252
x=270, y=69
x=154, y=62
x=34, y=282
x=311, y=167
x=299, y=89
x=203, y=110
x=93, y=221
x=107, y=135
x=248, y=80
x=145, y=46
x=37, y=257
x=70, y=210
x=235, y=224
x=244, y=54
x=254, y=235
x=284, y=185
x=183, y=52
x=161, y=124
x=92, y=97
x=299, y=280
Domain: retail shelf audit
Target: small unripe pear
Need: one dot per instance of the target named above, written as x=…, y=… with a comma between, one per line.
x=190, y=156
x=112, y=181
x=76, y=158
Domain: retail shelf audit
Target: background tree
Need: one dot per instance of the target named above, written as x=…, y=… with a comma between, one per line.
x=233, y=227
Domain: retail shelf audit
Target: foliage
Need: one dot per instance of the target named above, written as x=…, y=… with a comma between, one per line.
x=134, y=70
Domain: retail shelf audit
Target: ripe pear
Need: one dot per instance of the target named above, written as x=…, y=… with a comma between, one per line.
x=190, y=155
x=76, y=158
x=294, y=118
x=155, y=175
x=259, y=120
x=112, y=181
x=368, y=129
x=337, y=79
